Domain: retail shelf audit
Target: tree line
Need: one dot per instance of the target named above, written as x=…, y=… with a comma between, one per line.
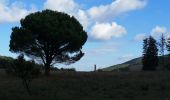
x=151, y=51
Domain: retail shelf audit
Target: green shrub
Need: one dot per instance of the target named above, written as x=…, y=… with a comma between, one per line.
x=25, y=70
x=68, y=69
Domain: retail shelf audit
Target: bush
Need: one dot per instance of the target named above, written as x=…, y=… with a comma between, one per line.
x=54, y=69
x=100, y=70
x=5, y=62
x=25, y=70
x=68, y=69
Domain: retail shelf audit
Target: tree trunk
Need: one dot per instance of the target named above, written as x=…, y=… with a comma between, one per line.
x=47, y=69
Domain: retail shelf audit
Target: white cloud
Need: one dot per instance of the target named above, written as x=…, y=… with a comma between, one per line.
x=140, y=37
x=101, y=13
x=68, y=6
x=96, y=13
x=88, y=18
x=158, y=30
x=105, y=31
x=117, y=7
x=12, y=12
x=83, y=18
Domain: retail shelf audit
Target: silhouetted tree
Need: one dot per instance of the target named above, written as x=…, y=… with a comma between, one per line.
x=150, y=54
x=145, y=48
x=25, y=70
x=49, y=36
x=168, y=45
x=145, y=45
x=167, y=65
x=162, y=45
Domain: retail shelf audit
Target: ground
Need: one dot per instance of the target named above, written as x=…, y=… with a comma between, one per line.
x=90, y=86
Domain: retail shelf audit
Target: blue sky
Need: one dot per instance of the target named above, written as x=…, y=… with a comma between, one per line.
x=115, y=27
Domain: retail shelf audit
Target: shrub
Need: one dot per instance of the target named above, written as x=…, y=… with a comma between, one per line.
x=25, y=70
x=68, y=69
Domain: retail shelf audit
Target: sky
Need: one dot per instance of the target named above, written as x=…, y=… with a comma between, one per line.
x=115, y=28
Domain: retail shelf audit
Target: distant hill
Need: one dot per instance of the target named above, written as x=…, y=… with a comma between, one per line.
x=134, y=65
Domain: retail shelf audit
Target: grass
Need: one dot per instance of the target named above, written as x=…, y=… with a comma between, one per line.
x=90, y=86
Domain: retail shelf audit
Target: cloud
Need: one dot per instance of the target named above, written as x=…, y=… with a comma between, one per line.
x=13, y=12
x=83, y=18
x=117, y=7
x=96, y=13
x=89, y=17
x=68, y=6
x=140, y=37
x=158, y=30
x=105, y=31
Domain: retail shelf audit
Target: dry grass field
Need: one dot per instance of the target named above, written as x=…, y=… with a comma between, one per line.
x=90, y=86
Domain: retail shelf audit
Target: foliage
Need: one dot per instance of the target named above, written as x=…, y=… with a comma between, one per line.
x=162, y=46
x=135, y=63
x=99, y=70
x=168, y=45
x=150, y=54
x=5, y=62
x=25, y=70
x=49, y=36
x=55, y=69
x=68, y=69
x=168, y=48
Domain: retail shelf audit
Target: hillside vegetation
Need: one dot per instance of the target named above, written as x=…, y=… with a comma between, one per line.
x=5, y=61
x=135, y=65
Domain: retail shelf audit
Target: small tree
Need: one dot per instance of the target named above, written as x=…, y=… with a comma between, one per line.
x=50, y=37
x=150, y=54
x=162, y=45
x=168, y=49
x=145, y=48
x=25, y=70
x=168, y=45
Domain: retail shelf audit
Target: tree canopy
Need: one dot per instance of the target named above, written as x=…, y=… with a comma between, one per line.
x=49, y=36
